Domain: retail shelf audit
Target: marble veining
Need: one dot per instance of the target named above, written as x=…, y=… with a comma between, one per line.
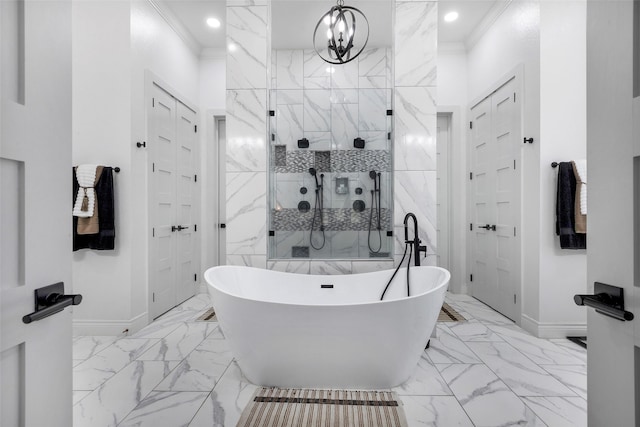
x=415, y=129
x=317, y=110
x=246, y=130
x=524, y=377
x=246, y=213
x=247, y=62
x=206, y=387
x=289, y=72
x=85, y=347
x=416, y=43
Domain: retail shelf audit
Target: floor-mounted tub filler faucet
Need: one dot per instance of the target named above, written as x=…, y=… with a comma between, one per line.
x=417, y=248
x=413, y=246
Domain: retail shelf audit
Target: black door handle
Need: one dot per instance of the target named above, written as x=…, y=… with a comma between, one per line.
x=223, y=225
x=488, y=227
x=51, y=300
x=180, y=228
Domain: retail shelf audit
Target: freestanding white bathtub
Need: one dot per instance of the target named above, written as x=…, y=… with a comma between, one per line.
x=295, y=330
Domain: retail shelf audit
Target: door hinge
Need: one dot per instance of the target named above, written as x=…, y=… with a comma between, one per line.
x=470, y=226
x=471, y=277
x=514, y=97
x=153, y=102
x=514, y=298
x=195, y=128
x=514, y=164
x=470, y=125
x=153, y=232
x=195, y=227
x=153, y=297
x=195, y=178
x=195, y=277
x=153, y=167
x=470, y=175
x=514, y=232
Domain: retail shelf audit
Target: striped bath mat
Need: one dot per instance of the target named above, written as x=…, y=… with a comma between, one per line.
x=448, y=314
x=278, y=407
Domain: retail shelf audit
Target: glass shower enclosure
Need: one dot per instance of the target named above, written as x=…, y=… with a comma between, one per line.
x=330, y=165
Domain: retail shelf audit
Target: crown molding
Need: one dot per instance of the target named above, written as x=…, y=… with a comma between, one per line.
x=177, y=26
x=489, y=19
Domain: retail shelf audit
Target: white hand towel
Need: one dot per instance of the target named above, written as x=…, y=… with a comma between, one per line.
x=86, y=177
x=581, y=166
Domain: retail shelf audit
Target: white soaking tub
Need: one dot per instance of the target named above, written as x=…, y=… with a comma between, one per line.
x=298, y=330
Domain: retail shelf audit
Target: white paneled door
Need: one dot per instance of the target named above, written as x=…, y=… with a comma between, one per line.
x=172, y=145
x=494, y=184
x=35, y=210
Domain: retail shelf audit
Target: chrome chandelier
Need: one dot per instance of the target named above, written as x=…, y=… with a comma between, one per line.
x=340, y=43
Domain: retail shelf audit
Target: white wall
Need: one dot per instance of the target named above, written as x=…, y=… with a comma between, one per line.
x=453, y=97
x=101, y=71
x=113, y=44
x=563, y=128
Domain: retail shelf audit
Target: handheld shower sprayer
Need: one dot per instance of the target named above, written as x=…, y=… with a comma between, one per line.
x=319, y=204
x=375, y=205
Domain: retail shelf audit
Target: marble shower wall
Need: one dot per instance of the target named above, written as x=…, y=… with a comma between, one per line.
x=330, y=106
x=414, y=104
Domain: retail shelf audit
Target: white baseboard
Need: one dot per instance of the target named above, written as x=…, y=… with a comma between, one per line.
x=553, y=330
x=110, y=327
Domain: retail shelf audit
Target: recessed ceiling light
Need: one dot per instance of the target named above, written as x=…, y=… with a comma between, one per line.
x=451, y=16
x=213, y=22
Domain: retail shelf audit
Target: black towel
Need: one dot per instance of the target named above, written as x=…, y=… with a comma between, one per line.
x=105, y=238
x=565, y=209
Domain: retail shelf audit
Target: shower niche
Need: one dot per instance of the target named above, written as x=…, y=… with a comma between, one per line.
x=330, y=165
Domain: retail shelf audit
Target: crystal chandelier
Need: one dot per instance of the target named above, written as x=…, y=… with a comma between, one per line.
x=335, y=39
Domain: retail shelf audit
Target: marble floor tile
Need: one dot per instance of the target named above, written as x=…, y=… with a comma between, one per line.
x=483, y=312
x=109, y=404
x=179, y=343
x=165, y=408
x=425, y=381
x=199, y=302
x=571, y=348
x=84, y=347
x=225, y=404
x=523, y=376
x=448, y=348
x=574, y=377
x=473, y=331
x=91, y=373
x=559, y=411
x=540, y=351
x=434, y=411
x=201, y=369
x=166, y=324
x=487, y=400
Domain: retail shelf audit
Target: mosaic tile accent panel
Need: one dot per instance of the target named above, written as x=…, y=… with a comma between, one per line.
x=280, y=152
x=360, y=160
x=322, y=161
x=299, y=161
x=336, y=219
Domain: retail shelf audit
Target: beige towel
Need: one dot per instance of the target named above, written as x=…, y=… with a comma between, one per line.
x=581, y=220
x=91, y=225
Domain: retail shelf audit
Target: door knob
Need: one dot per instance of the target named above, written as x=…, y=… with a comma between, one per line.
x=180, y=228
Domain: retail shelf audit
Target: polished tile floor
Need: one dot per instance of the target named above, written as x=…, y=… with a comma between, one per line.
x=179, y=372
